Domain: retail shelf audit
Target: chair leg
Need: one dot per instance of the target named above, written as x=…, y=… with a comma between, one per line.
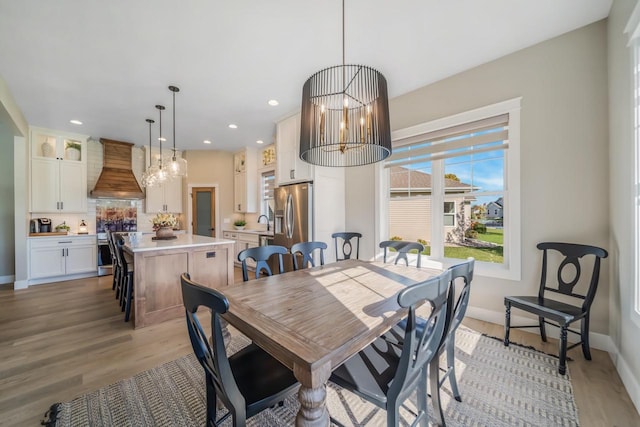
x=421, y=395
x=434, y=381
x=562, y=368
x=116, y=278
x=211, y=402
x=129, y=285
x=393, y=413
x=451, y=367
x=543, y=329
x=584, y=335
x=507, y=323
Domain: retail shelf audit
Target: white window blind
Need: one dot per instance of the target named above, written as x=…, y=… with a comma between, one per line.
x=484, y=135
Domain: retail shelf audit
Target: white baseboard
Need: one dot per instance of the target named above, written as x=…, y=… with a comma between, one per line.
x=596, y=340
x=32, y=282
x=7, y=279
x=20, y=284
x=628, y=379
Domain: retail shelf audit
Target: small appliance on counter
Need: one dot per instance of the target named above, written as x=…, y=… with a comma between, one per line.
x=40, y=225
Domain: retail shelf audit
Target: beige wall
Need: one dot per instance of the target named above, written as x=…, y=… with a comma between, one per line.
x=622, y=329
x=563, y=85
x=212, y=167
x=7, y=257
x=12, y=123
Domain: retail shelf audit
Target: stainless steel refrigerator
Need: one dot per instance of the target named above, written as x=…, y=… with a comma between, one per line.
x=293, y=217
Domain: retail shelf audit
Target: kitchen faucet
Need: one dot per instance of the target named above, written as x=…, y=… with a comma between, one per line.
x=267, y=218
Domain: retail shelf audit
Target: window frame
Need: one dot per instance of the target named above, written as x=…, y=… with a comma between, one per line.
x=632, y=29
x=635, y=308
x=511, y=268
x=452, y=215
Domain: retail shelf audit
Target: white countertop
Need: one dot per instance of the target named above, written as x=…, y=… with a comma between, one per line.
x=182, y=241
x=259, y=232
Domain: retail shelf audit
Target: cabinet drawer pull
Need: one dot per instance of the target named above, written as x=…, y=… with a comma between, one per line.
x=68, y=241
x=211, y=254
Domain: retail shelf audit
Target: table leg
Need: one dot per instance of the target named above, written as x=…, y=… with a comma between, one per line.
x=312, y=396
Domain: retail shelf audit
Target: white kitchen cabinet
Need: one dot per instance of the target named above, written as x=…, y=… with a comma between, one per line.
x=62, y=256
x=165, y=197
x=243, y=241
x=245, y=181
x=290, y=168
x=58, y=172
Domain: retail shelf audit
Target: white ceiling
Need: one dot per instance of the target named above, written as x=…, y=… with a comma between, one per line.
x=108, y=63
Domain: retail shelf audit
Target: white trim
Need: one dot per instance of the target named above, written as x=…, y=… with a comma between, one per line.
x=46, y=280
x=456, y=119
x=7, y=279
x=511, y=269
x=20, y=284
x=632, y=28
x=628, y=379
x=635, y=301
x=596, y=340
x=190, y=203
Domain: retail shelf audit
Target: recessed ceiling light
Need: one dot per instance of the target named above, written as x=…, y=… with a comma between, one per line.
x=232, y=126
x=259, y=141
x=163, y=139
x=273, y=102
x=206, y=141
x=75, y=122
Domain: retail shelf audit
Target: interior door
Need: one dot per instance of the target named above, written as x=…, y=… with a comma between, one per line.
x=204, y=211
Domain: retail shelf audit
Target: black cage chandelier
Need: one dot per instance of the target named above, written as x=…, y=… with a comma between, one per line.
x=345, y=116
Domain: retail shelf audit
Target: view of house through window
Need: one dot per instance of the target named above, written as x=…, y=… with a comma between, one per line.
x=447, y=190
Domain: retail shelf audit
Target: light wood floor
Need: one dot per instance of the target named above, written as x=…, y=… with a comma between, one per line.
x=58, y=341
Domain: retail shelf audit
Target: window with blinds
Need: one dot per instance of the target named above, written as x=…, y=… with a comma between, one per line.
x=447, y=189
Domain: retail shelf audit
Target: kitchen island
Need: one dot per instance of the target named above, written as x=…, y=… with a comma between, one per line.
x=158, y=265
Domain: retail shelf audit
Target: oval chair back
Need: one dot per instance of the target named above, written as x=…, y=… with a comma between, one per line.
x=347, y=247
x=306, y=250
x=261, y=255
x=573, y=305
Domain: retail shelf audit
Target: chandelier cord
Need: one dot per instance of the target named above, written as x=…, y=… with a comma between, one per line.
x=174, y=126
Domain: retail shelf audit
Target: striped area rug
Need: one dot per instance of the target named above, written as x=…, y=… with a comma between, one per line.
x=500, y=386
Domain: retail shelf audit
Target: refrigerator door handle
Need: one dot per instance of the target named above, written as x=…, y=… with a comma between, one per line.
x=289, y=216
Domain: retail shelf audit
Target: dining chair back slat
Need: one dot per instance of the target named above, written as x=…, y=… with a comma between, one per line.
x=261, y=255
x=342, y=240
x=402, y=248
x=305, y=251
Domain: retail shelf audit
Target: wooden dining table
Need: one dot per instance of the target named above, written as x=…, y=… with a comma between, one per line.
x=313, y=320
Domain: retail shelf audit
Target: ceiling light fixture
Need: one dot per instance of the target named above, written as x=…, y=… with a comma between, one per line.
x=273, y=102
x=259, y=141
x=161, y=173
x=206, y=141
x=149, y=176
x=232, y=126
x=75, y=122
x=177, y=165
x=345, y=116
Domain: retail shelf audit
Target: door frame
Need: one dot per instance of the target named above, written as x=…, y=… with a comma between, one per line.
x=190, y=204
